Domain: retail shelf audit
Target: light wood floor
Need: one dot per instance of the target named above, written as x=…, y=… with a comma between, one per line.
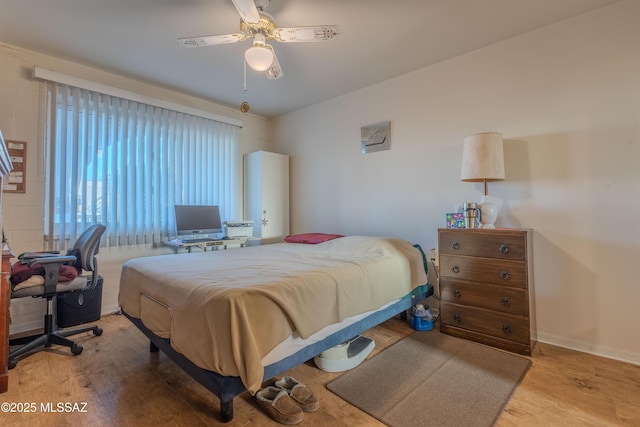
x=123, y=384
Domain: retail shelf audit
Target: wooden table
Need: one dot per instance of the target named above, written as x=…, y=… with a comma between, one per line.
x=7, y=254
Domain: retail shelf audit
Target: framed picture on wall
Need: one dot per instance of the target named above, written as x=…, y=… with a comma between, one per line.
x=15, y=181
x=375, y=137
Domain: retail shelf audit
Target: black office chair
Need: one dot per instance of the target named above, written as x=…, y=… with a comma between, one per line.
x=85, y=248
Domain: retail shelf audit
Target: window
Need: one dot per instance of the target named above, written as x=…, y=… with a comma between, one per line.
x=125, y=164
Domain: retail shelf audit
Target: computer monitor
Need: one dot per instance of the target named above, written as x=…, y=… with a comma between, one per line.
x=197, y=219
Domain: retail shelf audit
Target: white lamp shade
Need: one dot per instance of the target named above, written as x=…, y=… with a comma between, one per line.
x=259, y=58
x=483, y=157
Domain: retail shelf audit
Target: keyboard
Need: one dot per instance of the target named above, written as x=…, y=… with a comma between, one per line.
x=198, y=240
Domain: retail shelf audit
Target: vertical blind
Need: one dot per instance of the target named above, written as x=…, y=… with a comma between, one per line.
x=125, y=164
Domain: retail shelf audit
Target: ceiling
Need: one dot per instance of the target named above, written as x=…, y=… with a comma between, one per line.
x=380, y=39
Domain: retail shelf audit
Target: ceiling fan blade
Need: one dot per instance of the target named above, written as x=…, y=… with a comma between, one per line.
x=322, y=33
x=247, y=10
x=212, y=40
x=275, y=71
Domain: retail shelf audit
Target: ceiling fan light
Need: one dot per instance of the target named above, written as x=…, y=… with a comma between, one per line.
x=259, y=58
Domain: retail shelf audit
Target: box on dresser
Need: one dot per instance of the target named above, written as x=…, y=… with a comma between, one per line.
x=486, y=287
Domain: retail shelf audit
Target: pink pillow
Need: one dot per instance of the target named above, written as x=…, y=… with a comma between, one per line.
x=311, y=238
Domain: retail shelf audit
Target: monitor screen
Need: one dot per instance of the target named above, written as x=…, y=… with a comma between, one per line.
x=197, y=219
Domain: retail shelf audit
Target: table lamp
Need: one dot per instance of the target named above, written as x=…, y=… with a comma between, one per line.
x=483, y=161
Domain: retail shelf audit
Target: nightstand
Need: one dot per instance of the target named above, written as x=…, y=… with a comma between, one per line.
x=486, y=287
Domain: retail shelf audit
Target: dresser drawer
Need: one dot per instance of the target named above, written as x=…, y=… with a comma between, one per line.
x=502, y=298
x=487, y=243
x=489, y=270
x=497, y=324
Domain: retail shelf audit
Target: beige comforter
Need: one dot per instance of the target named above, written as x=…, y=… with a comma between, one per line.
x=228, y=309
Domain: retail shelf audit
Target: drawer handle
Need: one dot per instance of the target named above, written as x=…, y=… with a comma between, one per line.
x=455, y=269
x=455, y=245
x=457, y=293
x=457, y=318
x=504, y=249
x=506, y=302
x=506, y=329
x=504, y=275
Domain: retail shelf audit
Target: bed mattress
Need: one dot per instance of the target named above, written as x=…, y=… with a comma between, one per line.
x=227, y=310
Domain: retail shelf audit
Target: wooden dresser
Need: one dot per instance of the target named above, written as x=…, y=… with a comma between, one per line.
x=5, y=167
x=4, y=318
x=486, y=287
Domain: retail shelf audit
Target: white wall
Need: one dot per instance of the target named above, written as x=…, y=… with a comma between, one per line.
x=22, y=214
x=567, y=100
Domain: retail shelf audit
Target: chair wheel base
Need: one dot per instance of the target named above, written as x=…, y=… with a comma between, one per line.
x=76, y=349
x=12, y=363
x=98, y=331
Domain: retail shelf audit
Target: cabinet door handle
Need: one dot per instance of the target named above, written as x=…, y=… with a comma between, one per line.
x=457, y=293
x=504, y=275
x=455, y=269
x=455, y=245
x=506, y=329
x=504, y=249
x=457, y=318
x=506, y=302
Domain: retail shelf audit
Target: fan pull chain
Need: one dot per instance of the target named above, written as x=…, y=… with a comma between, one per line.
x=244, y=107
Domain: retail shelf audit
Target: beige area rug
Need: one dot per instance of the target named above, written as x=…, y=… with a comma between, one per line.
x=433, y=379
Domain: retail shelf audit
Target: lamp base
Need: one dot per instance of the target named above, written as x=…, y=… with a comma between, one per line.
x=489, y=213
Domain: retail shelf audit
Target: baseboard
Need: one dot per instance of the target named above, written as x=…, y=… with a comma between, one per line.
x=609, y=353
x=26, y=329
x=110, y=310
x=35, y=326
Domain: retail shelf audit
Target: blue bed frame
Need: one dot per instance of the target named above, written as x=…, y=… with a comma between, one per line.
x=226, y=388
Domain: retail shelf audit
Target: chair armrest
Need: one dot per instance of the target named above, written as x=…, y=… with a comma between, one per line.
x=40, y=254
x=63, y=259
x=51, y=266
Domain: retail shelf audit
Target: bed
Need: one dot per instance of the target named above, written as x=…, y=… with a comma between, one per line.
x=233, y=319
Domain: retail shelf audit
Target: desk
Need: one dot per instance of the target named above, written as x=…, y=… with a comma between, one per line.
x=213, y=244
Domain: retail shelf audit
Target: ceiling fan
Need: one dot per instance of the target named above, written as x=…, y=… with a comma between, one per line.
x=259, y=26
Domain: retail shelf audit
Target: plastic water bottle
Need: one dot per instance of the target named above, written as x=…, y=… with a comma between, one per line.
x=428, y=319
x=422, y=319
x=418, y=313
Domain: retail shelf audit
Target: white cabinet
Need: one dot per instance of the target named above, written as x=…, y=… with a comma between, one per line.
x=266, y=194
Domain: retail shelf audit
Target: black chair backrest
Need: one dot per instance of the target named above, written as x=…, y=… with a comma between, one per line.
x=89, y=245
